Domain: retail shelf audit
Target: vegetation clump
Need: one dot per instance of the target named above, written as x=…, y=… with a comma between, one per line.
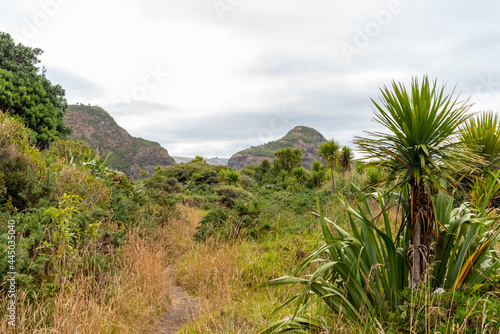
x=28, y=95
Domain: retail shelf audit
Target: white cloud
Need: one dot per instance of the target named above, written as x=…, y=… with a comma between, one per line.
x=227, y=77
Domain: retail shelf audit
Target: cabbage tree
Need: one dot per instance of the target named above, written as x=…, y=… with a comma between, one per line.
x=420, y=148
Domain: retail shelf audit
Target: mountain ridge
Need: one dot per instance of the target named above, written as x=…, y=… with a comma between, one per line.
x=93, y=125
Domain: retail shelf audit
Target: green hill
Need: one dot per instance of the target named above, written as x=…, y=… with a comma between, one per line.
x=128, y=154
x=305, y=138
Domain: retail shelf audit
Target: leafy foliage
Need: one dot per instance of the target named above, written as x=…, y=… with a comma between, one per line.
x=195, y=172
x=28, y=95
x=230, y=177
x=346, y=158
x=422, y=144
x=329, y=154
x=287, y=159
x=364, y=274
x=482, y=133
x=420, y=149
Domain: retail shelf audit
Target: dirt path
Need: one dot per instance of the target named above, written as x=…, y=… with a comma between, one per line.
x=182, y=309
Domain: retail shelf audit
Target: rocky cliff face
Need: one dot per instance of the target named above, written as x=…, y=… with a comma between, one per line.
x=305, y=138
x=128, y=154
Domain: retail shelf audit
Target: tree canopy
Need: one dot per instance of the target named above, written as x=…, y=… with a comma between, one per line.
x=329, y=154
x=288, y=159
x=27, y=95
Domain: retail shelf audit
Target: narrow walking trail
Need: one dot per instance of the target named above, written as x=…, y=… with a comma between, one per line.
x=182, y=309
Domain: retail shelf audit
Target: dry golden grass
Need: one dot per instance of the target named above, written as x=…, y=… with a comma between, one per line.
x=225, y=277
x=130, y=302
x=210, y=272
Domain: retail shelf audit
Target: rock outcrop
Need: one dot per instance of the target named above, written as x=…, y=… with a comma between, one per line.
x=128, y=154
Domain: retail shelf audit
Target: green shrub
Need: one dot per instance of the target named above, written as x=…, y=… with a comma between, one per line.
x=74, y=152
x=211, y=224
x=374, y=175
x=14, y=170
x=79, y=181
x=443, y=313
x=247, y=181
x=168, y=184
x=230, y=195
x=229, y=177
x=22, y=169
x=195, y=172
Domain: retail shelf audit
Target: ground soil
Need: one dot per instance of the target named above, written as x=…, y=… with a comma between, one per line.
x=181, y=310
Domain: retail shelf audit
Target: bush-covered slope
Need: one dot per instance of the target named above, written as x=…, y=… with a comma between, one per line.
x=305, y=138
x=128, y=154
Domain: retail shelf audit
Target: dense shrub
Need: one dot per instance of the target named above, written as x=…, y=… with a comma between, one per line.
x=22, y=169
x=79, y=181
x=229, y=177
x=74, y=152
x=193, y=172
x=14, y=171
x=230, y=195
x=444, y=313
x=168, y=184
x=239, y=217
x=211, y=223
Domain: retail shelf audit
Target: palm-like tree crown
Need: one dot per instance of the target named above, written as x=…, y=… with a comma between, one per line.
x=346, y=158
x=422, y=143
x=482, y=133
x=420, y=149
x=329, y=152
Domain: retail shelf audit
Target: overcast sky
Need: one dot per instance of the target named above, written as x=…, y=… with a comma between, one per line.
x=212, y=77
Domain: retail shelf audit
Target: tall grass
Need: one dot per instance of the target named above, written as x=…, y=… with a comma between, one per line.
x=128, y=299
x=224, y=276
x=363, y=276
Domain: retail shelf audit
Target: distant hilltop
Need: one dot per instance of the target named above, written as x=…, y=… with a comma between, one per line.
x=93, y=125
x=211, y=161
x=303, y=137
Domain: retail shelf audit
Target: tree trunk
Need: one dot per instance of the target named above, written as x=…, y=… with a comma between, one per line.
x=416, y=270
x=333, y=182
x=421, y=227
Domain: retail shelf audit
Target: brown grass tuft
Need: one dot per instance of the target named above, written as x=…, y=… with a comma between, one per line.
x=131, y=301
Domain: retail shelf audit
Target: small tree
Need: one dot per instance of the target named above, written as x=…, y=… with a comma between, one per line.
x=317, y=175
x=287, y=159
x=198, y=159
x=28, y=95
x=346, y=158
x=420, y=150
x=482, y=135
x=329, y=154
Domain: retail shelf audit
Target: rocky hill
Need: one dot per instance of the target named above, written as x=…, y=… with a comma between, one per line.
x=128, y=154
x=305, y=138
